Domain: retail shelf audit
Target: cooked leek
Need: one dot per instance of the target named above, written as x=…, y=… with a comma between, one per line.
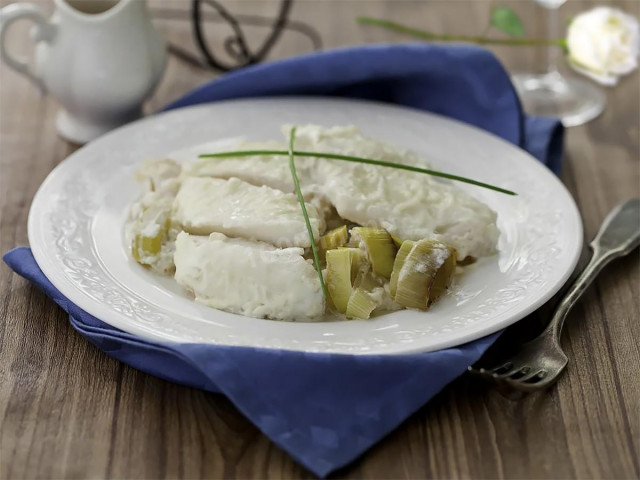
x=360, y=304
x=144, y=246
x=340, y=263
x=379, y=247
x=154, y=224
x=357, y=262
x=444, y=275
x=396, y=240
x=405, y=248
x=366, y=280
x=416, y=277
x=333, y=239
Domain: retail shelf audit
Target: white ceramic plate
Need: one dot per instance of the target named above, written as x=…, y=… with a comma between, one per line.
x=76, y=230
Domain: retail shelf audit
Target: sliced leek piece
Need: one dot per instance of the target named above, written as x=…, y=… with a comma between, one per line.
x=360, y=305
x=366, y=280
x=417, y=276
x=444, y=275
x=154, y=225
x=396, y=240
x=404, y=250
x=379, y=247
x=334, y=238
x=135, y=249
x=358, y=262
x=147, y=245
x=339, y=270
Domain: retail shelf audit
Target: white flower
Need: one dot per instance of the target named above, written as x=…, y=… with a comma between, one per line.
x=603, y=44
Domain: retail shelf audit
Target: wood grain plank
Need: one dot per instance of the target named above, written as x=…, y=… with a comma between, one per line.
x=69, y=411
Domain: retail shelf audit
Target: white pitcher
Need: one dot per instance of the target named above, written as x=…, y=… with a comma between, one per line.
x=99, y=58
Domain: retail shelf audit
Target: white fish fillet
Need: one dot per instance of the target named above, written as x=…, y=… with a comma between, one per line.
x=269, y=170
x=410, y=205
x=238, y=209
x=249, y=278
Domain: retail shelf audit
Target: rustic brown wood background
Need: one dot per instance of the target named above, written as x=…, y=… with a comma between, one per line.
x=69, y=411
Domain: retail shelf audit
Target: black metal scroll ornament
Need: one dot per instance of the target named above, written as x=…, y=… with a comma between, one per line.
x=236, y=45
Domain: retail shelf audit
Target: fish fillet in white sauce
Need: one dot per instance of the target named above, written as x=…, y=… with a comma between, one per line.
x=270, y=170
x=249, y=278
x=408, y=204
x=236, y=208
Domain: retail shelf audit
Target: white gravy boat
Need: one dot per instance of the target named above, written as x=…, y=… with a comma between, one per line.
x=99, y=58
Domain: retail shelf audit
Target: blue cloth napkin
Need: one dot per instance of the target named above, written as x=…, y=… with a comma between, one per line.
x=326, y=410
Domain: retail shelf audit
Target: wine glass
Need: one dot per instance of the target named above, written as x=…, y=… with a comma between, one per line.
x=573, y=100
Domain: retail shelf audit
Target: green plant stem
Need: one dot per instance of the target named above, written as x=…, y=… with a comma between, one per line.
x=349, y=158
x=296, y=184
x=480, y=40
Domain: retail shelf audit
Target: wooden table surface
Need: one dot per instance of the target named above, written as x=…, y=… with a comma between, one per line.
x=69, y=411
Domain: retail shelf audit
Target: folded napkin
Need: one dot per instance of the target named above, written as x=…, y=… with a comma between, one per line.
x=326, y=409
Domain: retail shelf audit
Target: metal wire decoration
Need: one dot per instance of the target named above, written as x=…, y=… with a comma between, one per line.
x=236, y=45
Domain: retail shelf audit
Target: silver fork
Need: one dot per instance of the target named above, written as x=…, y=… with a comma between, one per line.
x=539, y=362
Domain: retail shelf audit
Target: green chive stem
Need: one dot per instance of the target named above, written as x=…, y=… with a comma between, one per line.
x=296, y=184
x=482, y=40
x=349, y=158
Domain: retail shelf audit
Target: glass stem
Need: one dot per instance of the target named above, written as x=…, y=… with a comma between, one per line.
x=552, y=51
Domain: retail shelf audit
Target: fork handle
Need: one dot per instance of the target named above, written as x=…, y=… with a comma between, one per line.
x=619, y=235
